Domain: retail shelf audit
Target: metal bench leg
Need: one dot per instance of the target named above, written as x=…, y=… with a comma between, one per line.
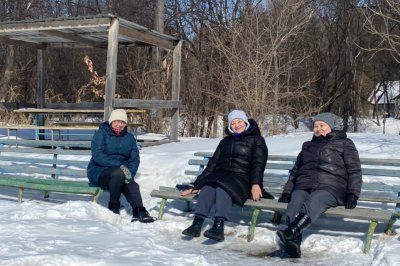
x=389, y=228
x=97, y=195
x=20, y=192
x=188, y=207
x=162, y=206
x=370, y=235
x=277, y=217
x=253, y=223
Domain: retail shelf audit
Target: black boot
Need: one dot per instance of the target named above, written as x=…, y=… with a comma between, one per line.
x=293, y=247
x=140, y=214
x=217, y=230
x=114, y=207
x=291, y=237
x=195, y=229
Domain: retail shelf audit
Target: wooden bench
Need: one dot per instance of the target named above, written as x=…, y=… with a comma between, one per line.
x=386, y=198
x=50, y=169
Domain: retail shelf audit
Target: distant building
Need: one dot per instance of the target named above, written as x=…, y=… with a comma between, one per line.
x=386, y=99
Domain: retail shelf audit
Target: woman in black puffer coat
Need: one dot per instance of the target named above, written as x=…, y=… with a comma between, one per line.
x=233, y=174
x=327, y=173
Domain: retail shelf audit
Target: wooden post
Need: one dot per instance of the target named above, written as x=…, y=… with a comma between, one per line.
x=176, y=86
x=111, y=71
x=40, y=94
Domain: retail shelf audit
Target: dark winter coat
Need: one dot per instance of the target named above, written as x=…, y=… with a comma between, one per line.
x=111, y=150
x=328, y=163
x=237, y=164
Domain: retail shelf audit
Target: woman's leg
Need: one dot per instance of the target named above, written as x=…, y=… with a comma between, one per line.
x=132, y=194
x=296, y=202
x=113, y=180
x=206, y=200
x=317, y=203
x=223, y=203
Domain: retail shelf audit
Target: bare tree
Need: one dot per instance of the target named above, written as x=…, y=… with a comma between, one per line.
x=383, y=21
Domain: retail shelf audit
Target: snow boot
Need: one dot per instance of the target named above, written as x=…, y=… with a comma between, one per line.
x=195, y=229
x=140, y=214
x=217, y=230
x=291, y=237
x=293, y=247
x=114, y=207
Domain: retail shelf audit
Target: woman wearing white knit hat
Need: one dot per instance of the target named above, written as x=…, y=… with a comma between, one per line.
x=115, y=161
x=233, y=174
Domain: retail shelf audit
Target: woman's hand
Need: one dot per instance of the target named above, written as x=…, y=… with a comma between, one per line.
x=256, y=193
x=188, y=192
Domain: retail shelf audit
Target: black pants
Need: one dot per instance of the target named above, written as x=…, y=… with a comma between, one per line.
x=113, y=179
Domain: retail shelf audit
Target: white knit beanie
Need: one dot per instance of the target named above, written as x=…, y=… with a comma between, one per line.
x=237, y=114
x=118, y=114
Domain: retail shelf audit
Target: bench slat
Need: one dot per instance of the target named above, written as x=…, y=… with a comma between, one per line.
x=274, y=205
x=44, y=170
x=44, y=161
x=44, y=151
x=50, y=143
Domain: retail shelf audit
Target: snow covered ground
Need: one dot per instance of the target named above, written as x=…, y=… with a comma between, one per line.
x=69, y=229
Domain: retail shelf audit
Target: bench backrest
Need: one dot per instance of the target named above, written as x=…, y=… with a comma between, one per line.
x=52, y=158
x=276, y=175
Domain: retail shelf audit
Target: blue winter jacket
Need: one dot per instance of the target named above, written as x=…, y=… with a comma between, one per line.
x=111, y=150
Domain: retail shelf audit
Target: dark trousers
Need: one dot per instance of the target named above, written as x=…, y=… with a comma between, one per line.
x=213, y=196
x=312, y=203
x=113, y=179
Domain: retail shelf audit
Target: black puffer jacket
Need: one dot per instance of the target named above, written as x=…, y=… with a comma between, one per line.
x=329, y=163
x=237, y=164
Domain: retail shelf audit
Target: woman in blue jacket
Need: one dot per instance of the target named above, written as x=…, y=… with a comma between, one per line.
x=115, y=161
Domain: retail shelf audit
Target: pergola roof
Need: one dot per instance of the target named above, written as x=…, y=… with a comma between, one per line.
x=88, y=31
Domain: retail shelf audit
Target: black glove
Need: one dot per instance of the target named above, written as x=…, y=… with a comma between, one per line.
x=285, y=198
x=351, y=201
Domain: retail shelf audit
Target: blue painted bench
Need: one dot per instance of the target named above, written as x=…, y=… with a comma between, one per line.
x=47, y=166
x=386, y=198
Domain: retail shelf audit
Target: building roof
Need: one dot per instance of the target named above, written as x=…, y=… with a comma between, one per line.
x=88, y=31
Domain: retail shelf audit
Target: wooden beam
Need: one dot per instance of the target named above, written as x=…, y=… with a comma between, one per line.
x=54, y=25
x=111, y=71
x=146, y=104
x=73, y=37
x=146, y=37
x=40, y=93
x=22, y=43
x=76, y=106
x=176, y=86
x=13, y=106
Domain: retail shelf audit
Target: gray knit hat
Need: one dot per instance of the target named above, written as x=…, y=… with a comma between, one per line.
x=237, y=114
x=328, y=118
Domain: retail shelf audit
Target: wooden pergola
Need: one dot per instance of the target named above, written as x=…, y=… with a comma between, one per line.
x=104, y=32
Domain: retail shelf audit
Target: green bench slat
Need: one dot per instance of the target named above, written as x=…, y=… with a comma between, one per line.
x=78, y=187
